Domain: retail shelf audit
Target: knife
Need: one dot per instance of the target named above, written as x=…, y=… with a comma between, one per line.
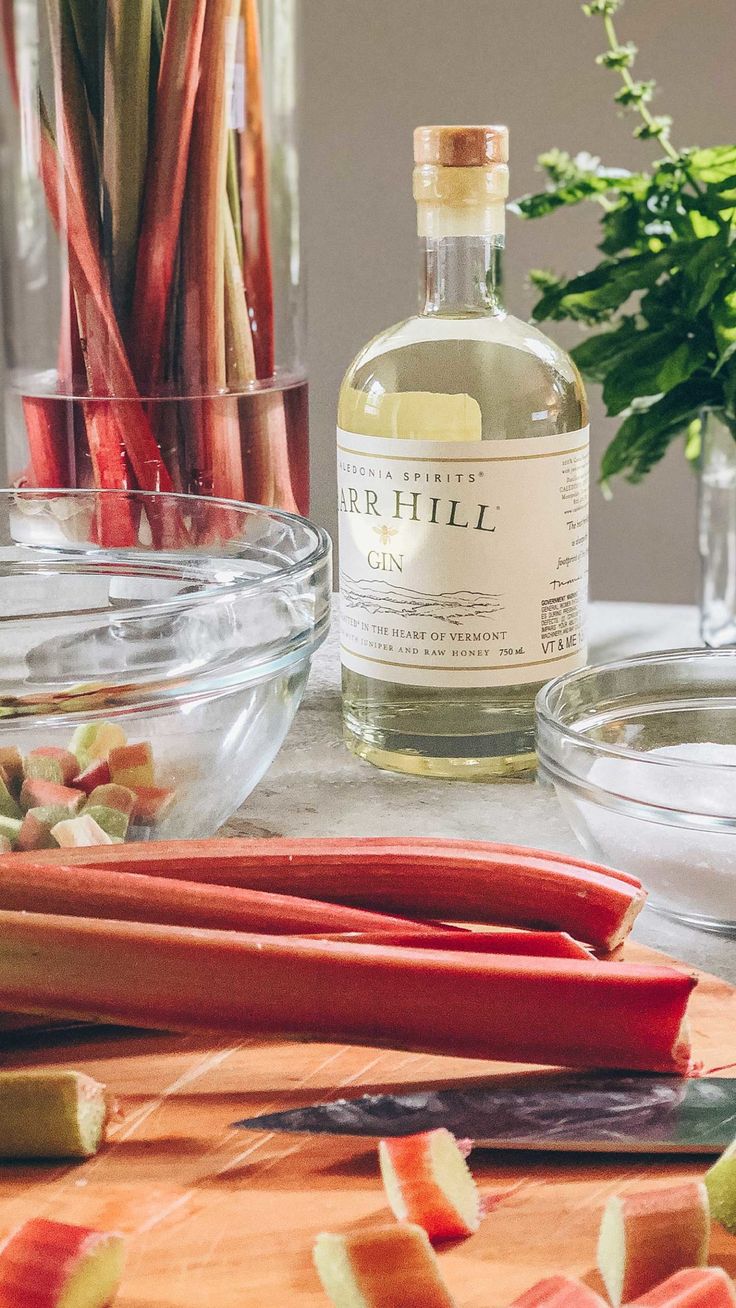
x=539, y=1111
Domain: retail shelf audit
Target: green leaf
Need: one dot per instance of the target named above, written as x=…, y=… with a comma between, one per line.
x=621, y=226
x=593, y=296
x=723, y=318
x=619, y=56
x=706, y=270
x=596, y=354
x=643, y=438
x=659, y=126
x=654, y=364
x=635, y=94
x=717, y=164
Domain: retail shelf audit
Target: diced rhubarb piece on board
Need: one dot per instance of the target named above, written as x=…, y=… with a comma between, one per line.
x=82, y=830
x=54, y=1265
x=35, y=832
x=113, y=796
x=151, y=803
x=9, y=806
x=10, y=830
x=51, y=1114
x=647, y=1235
x=559, y=1292
x=5, y=845
x=694, y=1287
x=37, y=793
x=720, y=1182
x=132, y=765
x=381, y=1267
x=97, y=774
x=112, y=820
x=95, y=740
x=11, y=763
x=51, y=764
x=427, y=1181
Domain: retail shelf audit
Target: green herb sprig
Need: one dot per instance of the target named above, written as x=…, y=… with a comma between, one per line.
x=662, y=300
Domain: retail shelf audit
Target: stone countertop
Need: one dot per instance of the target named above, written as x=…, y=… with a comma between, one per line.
x=317, y=787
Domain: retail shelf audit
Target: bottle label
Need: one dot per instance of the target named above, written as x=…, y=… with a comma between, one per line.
x=463, y=563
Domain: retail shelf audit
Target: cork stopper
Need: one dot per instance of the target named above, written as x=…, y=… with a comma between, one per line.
x=461, y=147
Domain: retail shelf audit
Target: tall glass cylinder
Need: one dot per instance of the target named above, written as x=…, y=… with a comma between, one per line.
x=717, y=530
x=152, y=278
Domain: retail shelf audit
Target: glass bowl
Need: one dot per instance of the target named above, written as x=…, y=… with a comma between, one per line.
x=642, y=755
x=198, y=649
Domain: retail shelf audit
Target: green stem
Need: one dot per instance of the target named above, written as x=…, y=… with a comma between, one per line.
x=644, y=113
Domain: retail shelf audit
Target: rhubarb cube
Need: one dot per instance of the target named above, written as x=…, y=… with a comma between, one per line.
x=54, y=1265
x=428, y=1181
x=51, y=764
x=9, y=806
x=35, y=832
x=151, y=803
x=97, y=774
x=111, y=820
x=694, y=1287
x=381, y=1267
x=648, y=1235
x=95, y=740
x=113, y=796
x=559, y=1292
x=11, y=763
x=720, y=1182
x=51, y=1114
x=132, y=765
x=78, y=831
x=10, y=829
x=36, y=793
x=5, y=845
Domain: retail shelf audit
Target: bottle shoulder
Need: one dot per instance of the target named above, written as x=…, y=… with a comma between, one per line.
x=488, y=376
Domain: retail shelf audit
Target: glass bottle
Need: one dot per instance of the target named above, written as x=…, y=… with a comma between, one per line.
x=463, y=484
x=717, y=530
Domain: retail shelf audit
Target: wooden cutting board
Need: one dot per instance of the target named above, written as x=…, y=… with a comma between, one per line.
x=226, y=1219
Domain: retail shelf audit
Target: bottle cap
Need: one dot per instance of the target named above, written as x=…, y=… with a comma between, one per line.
x=461, y=147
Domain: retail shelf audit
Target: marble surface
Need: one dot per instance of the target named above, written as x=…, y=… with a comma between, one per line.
x=317, y=787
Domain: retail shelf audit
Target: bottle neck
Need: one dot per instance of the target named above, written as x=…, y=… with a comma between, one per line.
x=461, y=275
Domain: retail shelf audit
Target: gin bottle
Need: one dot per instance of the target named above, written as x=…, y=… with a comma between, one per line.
x=463, y=495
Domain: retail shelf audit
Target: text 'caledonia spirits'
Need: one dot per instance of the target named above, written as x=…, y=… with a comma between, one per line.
x=463, y=494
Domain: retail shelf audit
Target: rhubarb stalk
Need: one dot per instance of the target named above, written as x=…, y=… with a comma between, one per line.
x=532, y=1010
x=443, y=879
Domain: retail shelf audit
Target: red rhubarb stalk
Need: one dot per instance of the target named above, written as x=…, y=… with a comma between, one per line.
x=564, y=1012
x=258, y=268
x=165, y=184
x=447, y=880
x=531, y=944
x=559, y=1292
x=696, y=1287
x=68, y=891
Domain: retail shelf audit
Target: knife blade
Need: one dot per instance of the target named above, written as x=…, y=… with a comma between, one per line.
x=539, y=1111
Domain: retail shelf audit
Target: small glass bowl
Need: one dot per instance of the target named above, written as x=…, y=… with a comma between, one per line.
x=667, y=817
x=196, y=639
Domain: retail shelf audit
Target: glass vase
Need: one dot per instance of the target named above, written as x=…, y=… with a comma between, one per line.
x=152, y=279
x=717, y=530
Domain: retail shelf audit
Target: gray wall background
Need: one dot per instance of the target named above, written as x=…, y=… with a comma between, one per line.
x=377, y=68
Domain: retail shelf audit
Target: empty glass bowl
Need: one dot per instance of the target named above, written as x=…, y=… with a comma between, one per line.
x=194, y=641
x=642, y=754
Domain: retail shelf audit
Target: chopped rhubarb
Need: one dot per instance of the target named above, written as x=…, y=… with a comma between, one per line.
x=113, y=796
x=559, y=1292
x=111, y=820
x=448, y=880
x=382, y=1267
x=132, y=765
x=10, y=829
x=427, y=1181
x=565, y=1012
x=9, y=806
x=720, y=1181
x=82, y=830
x=35, y=832
x=647, y=1235
x=37, y=793
x=97, y=774
x=95, y=740
x=51, y=764
x=151, y=803
x=6, y=845
x=49, y=1264
x=54, y=1114
x=11, y=762
x=694, y=1287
